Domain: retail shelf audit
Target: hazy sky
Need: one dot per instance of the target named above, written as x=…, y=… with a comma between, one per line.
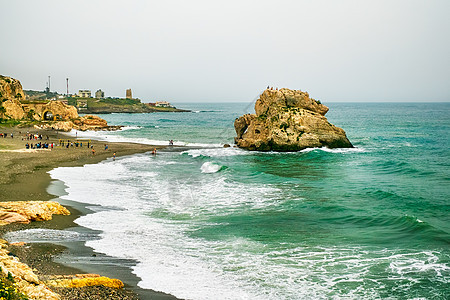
x=394, y=50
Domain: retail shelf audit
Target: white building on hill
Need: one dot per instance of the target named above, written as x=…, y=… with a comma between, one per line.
x=163, y=104
x=84, y=93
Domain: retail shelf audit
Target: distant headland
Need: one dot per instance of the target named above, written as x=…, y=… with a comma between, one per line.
x=61, y=112
x=99, y=104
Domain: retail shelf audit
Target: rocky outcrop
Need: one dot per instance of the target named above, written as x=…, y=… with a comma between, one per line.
x=30, y=284
x=87, y=122
x=10, y=88
x=54, y=114
x=288, y=120
x=26, y=281
x=26, y=211
x=10, y=95
x=51, y=110
x=13, y=109
x=90, y=122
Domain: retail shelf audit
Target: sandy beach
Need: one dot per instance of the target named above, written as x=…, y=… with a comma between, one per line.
x=24, y=177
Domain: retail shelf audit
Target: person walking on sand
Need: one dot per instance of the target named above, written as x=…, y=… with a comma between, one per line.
x=114, y=156
x=93, y=151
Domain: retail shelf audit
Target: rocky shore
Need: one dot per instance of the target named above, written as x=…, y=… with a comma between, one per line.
x=25, y=177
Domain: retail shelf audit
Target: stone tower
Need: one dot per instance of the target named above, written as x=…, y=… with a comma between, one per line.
x=128, y=95
x=99, y=94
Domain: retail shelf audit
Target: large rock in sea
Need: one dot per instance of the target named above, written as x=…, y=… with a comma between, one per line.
x=288, y=120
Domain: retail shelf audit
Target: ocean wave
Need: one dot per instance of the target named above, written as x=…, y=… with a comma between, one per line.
x=335, y=150
x=168, y=121
x=394, y=228
x=173, y=221
x=206, y=111
x=111, y=136
x=216, y=152
x=125, y=128
x=209, y=167
x=241, y=268
x=398, y=167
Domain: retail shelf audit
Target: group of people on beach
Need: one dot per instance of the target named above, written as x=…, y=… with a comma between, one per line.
x=5, y=135
x=62, y=143
x=72, y=143
x=30, y=136
x=39, y=146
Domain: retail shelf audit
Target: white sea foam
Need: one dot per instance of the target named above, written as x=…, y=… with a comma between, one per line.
x=216, y=152
x=161, y=209
x=39, y=235
x=335, y=150
x=209, y=167
x=404, y=264
x=158, y=243
x=225, y=152
x=112, y=136
x=130, y=128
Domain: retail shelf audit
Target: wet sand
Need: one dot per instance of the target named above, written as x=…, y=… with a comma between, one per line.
x=24, y=177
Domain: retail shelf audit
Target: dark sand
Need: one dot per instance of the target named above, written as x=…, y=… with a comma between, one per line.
x=24, y=177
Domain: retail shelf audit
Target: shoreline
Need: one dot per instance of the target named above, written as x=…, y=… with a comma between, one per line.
x=25, y=177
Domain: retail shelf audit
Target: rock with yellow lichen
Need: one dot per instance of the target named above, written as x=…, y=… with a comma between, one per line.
x=82, y=280
x=28, y=283
x=26, y=211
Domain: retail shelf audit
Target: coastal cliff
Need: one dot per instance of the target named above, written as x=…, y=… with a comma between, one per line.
x=288, y=120
x=50, y=114
x=11, y=93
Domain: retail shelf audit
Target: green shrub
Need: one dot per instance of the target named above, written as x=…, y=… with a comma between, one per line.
x=8, y=289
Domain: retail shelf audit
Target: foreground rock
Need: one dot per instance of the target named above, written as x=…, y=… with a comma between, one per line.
x=29, y=283
x=26, y=211
x=288, y=120
x=83, y=280
x=25, y=279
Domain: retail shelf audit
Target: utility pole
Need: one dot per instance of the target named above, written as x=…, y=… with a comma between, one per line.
x=67, y=81
x=49, y=83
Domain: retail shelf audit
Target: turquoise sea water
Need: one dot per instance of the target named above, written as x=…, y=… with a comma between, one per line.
x=206, y=222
